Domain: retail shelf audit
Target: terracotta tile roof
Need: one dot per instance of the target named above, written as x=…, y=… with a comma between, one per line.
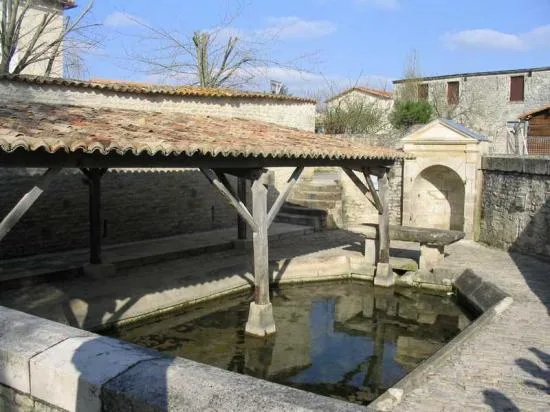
x=373, y=92
x=528, y=115
x=55, y=128
x=151, y=89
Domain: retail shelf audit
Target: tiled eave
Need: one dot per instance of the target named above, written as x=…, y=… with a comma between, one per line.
x=77, y=134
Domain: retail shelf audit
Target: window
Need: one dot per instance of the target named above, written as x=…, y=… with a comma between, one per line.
x=423, y=91
x=453, y=92
x=517, y=87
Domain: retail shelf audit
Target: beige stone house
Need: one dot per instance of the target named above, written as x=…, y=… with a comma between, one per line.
x=37, y=11
x=363, y=94
x=486, y=101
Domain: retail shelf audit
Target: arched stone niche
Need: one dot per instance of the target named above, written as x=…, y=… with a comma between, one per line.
x=441, y=185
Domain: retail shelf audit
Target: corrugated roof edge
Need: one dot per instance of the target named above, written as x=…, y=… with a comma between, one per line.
x=472, y=74
x=528, y=115
x=122, y=87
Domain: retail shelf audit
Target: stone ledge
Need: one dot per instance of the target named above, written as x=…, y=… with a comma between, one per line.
x=473, y=291
x=23, y=337
x=71, y=369
x=184, y=385
x=517, y=164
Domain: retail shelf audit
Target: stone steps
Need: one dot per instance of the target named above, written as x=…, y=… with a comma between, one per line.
x=300, y=193
x=313, y=221
x=316, y=203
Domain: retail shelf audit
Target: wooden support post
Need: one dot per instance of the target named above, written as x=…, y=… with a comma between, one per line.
x=94, y=184
x=283, y=195
x=241, y=193
x=260, y=317
x=384, y=219
x=260, y=240
x=26, y=202
x=384, y=273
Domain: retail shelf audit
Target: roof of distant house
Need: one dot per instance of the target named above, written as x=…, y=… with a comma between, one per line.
x=528, y=115
x=75, y=129
x=472, y=74
x=151, y=89
x=372, y=92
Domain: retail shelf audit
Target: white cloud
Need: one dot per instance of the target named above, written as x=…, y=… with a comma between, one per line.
x=121, y=19
x=488, y=39
x=296, y=27
x=381, y=4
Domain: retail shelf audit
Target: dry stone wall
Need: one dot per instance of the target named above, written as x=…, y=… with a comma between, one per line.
x=516, y=204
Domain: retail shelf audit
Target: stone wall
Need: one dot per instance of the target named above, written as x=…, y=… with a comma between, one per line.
x=356, y=208
x=516, y=204
x=291, y=113
x=485, y=103
x=137, y=205
x=32, y=19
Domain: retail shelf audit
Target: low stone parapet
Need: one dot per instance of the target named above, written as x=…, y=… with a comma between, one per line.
x=52, y=367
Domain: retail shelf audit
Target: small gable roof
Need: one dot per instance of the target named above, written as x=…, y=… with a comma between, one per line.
x=449, y=124
x=372, y=92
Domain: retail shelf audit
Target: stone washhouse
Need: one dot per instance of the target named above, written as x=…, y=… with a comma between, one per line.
x=56, y=136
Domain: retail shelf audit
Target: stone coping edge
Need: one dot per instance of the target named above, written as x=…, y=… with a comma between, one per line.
x=517, y=164
x=481, y=296
x=72, y=369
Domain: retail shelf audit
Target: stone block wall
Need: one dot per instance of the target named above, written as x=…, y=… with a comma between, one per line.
x=515, y=211
x=290, y=113
x=485, y=104
x=137, y=205
x=357, y=209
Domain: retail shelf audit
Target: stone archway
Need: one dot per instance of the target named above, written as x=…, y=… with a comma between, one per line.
x=438, y=195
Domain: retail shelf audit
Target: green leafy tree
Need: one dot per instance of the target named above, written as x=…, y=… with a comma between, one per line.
x=410, y=112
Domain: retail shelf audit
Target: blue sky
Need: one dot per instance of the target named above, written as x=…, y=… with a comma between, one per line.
x=340, y=42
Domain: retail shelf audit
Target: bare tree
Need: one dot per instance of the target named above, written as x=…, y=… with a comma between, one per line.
x=218, y=57
x=408, y=90
x=26, y=40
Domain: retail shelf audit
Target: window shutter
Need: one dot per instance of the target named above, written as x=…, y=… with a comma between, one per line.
x=517, y=87
x=453, y=92
x=423, y=91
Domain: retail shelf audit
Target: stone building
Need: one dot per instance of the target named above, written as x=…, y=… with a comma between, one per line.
x=137, y=204
x=486, y=101
x=363, y=94
x=40, y=9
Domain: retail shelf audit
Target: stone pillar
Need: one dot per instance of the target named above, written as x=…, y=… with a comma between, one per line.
x=260, y=317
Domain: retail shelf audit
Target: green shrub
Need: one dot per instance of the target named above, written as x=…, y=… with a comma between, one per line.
x=410, y=112
x=353, y=117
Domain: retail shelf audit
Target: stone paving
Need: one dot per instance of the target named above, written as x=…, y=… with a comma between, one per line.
x=505, y=366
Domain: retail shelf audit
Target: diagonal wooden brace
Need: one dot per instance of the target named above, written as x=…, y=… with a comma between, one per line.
x=228, y=193
x=283, y=195
x=361, y=186
x=372, y=189
x=26, y=202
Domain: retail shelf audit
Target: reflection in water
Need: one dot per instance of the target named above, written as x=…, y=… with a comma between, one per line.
x=345, y=340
